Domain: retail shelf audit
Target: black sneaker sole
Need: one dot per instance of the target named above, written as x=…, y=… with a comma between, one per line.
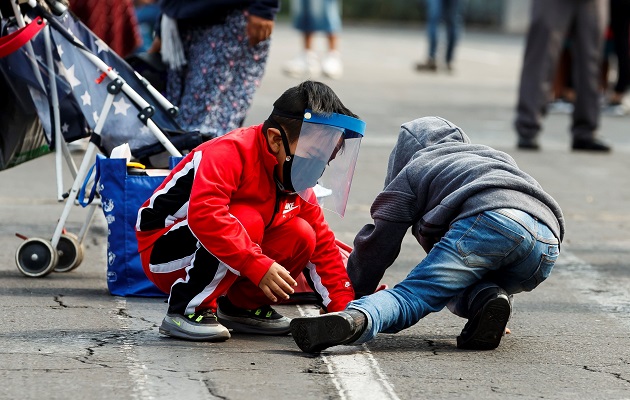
x=239, y=327
x=315, y=334
x=490, y=329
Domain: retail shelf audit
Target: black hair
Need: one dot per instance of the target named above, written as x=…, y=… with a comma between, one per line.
x=313, y=95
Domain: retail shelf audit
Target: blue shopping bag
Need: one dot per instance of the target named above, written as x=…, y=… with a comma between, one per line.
x=122, y=193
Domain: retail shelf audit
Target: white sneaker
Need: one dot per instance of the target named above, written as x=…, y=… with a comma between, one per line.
x=332, y=65
x=615, y=109
x=321, y=192
x=559, y=106
x=201, y=326
x=303, y=66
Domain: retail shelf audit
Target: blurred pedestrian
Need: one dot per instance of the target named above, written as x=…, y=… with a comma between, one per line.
x=147, y=13
x=620, y=27
x=216, y=53
x=488, y=228
x=309, y=17
x=113, y=21
x=584, y=23
x=449, y=12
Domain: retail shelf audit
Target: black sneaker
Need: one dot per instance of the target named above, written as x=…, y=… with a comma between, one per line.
x=596, y=145
x=527, y=143
x=201, y=326
x=485, y=330
x=429, y=65
x=264, y=320
x=314, y=334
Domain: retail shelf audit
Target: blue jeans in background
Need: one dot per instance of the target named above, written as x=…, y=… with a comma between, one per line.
x=486, y=250
x=448, y=10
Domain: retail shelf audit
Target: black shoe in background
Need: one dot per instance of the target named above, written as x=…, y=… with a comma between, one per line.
x=527, y=143
x=314, y=334
x=591, y=145
x=430, y=66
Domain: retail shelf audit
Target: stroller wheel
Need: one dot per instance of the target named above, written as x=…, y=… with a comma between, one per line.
x=70, y=253
x=36, y=257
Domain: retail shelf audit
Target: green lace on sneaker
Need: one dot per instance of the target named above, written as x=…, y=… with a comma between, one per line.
x=198, y=317
x=268, y=314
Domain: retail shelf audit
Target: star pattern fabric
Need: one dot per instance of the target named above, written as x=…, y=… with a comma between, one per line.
x=89, y=87
x=99, y=48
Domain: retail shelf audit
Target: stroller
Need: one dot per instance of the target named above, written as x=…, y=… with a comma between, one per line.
x=60, y=83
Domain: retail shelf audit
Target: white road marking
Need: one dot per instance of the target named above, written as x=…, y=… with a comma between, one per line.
x=137, y=370
x=355, y=371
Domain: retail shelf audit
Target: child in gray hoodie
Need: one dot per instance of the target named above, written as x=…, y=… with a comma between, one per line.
x=488, y=228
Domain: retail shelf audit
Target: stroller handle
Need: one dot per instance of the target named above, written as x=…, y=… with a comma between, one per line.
x=11, y=43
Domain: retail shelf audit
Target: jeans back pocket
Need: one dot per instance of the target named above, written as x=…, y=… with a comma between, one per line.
x=547, y=261
x=488, y=242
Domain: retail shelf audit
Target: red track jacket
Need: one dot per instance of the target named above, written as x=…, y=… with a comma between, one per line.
x=238, y=168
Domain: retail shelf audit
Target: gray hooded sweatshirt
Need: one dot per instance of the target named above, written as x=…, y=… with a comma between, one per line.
x=435, y=177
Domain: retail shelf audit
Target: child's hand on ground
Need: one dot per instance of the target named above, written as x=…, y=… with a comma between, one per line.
x=277, y=282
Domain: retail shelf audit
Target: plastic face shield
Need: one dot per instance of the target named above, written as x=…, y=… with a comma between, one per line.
x=326, y=154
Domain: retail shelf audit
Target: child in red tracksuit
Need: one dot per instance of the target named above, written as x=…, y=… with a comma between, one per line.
x=227, y=230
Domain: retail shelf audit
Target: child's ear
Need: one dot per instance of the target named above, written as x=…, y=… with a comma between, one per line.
x=274, y=139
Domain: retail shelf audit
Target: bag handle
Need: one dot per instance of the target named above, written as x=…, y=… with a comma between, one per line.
x=96, y=170
x=97, y=176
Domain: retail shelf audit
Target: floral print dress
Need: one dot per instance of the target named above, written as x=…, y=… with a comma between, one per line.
x=215, y=89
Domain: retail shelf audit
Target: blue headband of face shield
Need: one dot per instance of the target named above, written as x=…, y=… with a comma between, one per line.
x=353, y=127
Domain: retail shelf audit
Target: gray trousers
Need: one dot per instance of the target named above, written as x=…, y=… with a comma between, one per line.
x=583, y=22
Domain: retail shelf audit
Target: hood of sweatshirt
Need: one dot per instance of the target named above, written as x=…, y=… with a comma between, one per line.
x=419, y=135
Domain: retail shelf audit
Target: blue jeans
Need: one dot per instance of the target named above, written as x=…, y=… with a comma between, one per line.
x=316, y=15
x=449, y=11
x=486, y=250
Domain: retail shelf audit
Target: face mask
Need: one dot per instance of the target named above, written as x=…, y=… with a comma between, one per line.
x=307, y=177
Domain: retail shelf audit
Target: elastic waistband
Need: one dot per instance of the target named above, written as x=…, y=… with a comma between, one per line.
x=517, y=216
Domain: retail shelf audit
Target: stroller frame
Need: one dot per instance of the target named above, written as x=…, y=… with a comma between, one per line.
x=37, y=257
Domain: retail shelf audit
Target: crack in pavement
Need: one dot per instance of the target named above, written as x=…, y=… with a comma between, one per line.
x=616, y=375
x=58, y=299
x=212, y=389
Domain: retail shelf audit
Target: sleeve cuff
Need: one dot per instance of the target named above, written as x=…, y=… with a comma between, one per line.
x=256, y=270
x=340, y=302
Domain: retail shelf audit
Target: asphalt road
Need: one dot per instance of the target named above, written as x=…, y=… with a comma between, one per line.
x=63, y=336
